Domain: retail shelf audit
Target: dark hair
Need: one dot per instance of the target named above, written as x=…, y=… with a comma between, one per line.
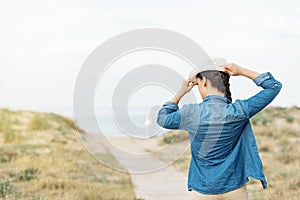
x=219, y=80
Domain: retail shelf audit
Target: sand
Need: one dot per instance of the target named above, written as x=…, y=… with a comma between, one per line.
x=152, y=178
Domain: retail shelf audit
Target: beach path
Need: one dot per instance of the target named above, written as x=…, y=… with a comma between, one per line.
x=164, y=183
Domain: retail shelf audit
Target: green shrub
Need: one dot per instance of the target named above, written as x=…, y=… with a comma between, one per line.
x=25, y=175
x=289, y=118
x=172, y=137
x=28, y=174
x=255, y=120
x=63, y=129
x=262, y=118
x=264, y=149
x=265, y=121
x=3, y=160
x=7, y=189
x=169, y=138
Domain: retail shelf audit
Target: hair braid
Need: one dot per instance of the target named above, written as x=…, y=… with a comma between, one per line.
x=225, y=78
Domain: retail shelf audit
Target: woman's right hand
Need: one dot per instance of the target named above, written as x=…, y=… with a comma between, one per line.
x=233, y=69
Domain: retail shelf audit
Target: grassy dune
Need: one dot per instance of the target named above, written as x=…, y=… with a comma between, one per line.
x=277, y=132
x=42, y=158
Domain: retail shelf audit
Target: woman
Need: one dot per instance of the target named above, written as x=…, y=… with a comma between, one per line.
x=223, y=148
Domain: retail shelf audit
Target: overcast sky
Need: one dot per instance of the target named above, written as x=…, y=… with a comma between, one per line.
x=44, y=43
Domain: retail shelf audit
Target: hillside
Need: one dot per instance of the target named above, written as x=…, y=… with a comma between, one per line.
x=277, y=131
x=42, y=158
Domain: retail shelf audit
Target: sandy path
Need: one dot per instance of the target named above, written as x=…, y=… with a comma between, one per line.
x=163, y=184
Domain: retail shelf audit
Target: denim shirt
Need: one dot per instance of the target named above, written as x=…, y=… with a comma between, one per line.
x=223, y=147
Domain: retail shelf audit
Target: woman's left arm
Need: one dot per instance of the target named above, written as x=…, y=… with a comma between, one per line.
x=170, y=115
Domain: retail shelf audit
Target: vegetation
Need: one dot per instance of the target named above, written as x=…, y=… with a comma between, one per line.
x=38, y=122
x=27, y=174
x=42, y=158
x=277, y=131
x=7, y=189
x=175, y=137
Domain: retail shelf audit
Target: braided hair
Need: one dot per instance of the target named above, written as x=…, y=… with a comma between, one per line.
x=219, y=80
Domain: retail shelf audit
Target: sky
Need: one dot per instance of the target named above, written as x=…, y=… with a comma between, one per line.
x=43, y=44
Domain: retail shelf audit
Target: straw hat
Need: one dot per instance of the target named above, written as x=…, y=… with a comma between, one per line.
x=217, y=63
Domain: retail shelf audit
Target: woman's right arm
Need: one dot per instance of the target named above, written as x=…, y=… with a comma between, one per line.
x=257, y=102
x=235, y=70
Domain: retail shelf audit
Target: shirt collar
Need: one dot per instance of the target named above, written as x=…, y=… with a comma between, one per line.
x=216, y=97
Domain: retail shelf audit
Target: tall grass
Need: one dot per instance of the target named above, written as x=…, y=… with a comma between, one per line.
x=9, y=134
x=43, y=159
x=7, y=130
x=38, y=123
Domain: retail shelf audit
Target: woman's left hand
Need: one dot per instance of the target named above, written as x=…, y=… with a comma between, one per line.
x=186, y=86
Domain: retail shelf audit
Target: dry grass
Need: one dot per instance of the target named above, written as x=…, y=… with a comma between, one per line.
x=277, y=132
x=41, y=158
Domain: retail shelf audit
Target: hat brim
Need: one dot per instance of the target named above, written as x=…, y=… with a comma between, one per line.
x=216, y=64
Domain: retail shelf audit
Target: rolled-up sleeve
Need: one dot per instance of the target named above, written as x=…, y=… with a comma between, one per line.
x=169, y=116
x=271, y=88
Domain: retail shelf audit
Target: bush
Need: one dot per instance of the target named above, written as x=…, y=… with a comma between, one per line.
x=7, y=189
x=168, y=139
x=63, y=129
x=261, y=118
x=264, y=149
x=25, y=175
x=3, y=159
x=28, y=174
x=179, y=136
x=265, y=121
x=255, y=120
x=289, y=118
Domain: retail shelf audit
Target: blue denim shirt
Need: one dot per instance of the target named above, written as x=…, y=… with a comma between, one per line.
x=223, y=147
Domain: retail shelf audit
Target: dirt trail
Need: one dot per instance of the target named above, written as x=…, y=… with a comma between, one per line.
x=163, y=184
x=166, y=183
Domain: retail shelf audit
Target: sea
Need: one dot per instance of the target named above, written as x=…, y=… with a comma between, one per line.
x=135, y=122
